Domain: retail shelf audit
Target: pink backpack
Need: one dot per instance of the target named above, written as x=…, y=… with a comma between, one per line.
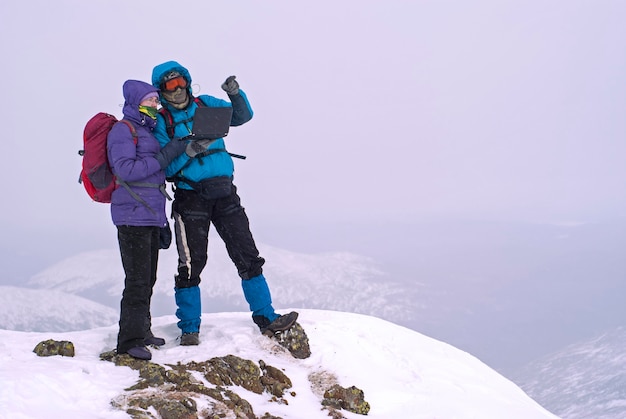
x=96, y=175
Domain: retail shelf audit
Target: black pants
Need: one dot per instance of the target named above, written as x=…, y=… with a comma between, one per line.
x=193, y=215
x=139, y=248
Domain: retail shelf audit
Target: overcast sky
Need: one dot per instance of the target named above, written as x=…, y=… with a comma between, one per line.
x=366, y=112
x=363, y=108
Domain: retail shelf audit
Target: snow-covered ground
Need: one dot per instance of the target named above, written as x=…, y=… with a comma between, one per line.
x=403, y=374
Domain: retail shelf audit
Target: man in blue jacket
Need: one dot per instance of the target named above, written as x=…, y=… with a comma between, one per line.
x=205, y=194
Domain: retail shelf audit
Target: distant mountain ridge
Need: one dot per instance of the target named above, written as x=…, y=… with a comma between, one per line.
x=335, y=281
x=585, y=380
x=31, y=310
x=84, y=290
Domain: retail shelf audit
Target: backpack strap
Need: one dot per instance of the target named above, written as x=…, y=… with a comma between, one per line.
x=133, y=131
x=132, y=193
x=169, y=121
x=177, y=177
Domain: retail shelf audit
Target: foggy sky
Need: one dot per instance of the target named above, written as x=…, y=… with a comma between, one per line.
x=366, y=112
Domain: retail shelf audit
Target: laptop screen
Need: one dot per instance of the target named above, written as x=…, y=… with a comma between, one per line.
x=211, y=123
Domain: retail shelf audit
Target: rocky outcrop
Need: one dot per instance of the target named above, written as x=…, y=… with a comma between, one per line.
x=295, y=341
x=351, y=399
x=52, y=347
x=176, y=391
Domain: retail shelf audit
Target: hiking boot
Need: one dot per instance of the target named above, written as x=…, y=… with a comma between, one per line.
x=189, y=339
x=140, y=352
x=153, y=340
x=262, y=322
x=281, y=324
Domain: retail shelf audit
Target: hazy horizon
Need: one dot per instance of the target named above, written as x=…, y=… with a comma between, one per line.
x=551, y=285
x=475, y=147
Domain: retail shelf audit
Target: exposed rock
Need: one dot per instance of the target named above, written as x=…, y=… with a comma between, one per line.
x=230, y=370
x=153, y=375
x=52, y=347
x=295, y=341
x=334, y=413
x=176, y=391
x=108, y=355
x=173, y=383
x=173, y=406
x=241, y=407
x=168, y=405
x=274, y=380
x=350, y=399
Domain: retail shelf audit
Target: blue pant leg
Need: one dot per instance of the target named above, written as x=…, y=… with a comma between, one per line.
x=258, y=296
x=189, y=309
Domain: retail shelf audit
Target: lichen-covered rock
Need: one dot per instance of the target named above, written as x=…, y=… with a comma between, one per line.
x=185, y=408
x=167, y=407
x=334, y=413
x=123, y=360
x=240, y=406
x=139, y=414
x=52, y=347
x=176, y=391
x=295, y=341
x=350, y=399
x=153, y=375
x=108, y=356
x=274, y=380
x=230, y=370
x=181, y=377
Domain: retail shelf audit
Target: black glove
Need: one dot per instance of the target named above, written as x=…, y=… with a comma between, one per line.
x=198, y=146
x=165, y=237
x=168, y=153
x=230, y=86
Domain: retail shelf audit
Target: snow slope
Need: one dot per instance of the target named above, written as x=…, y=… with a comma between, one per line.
x=586, y=380
x=403, y=374
x=50, y=311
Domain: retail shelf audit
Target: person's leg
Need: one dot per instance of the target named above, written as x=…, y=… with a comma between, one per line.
x=150, y=339
x=233, y=226
x=192, y=216
x=191, y=226
x=189, y=308
x=135, y=249
x=257, y=294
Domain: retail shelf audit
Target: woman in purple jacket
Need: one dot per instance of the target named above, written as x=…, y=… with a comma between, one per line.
x=138, y=210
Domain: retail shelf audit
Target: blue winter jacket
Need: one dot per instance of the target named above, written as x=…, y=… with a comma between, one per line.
x=212, y=165
x=134, y=163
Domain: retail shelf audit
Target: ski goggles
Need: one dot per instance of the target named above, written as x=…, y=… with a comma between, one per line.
x=173, y=84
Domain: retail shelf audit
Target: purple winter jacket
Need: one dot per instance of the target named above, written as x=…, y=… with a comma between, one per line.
x=136, y=163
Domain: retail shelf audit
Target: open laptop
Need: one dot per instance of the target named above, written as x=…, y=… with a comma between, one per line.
x=211, y=123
